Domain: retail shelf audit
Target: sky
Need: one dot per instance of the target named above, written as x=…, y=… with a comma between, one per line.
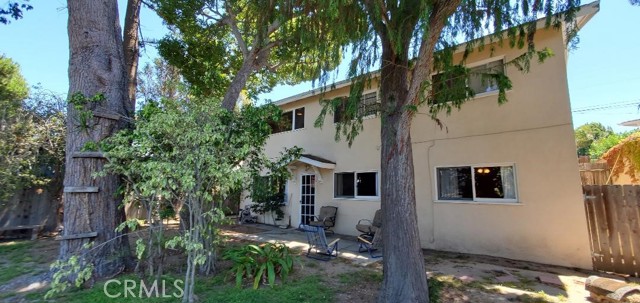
x=603, y=72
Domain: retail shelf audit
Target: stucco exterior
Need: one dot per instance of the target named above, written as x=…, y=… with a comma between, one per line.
x=533, y=132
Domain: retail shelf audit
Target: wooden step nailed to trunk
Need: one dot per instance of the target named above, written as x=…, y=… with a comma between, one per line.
x=81, y=189
x=77, y=236
x=93, y=154
x=109, y=116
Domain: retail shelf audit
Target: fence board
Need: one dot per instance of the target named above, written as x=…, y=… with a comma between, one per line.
x=613, y=201
x=603, y=231
x=613, y=218
x=632, y=197
x=624, y=232
x=589, y=205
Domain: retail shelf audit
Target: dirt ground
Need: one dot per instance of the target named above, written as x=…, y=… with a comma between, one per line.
x=457, y=277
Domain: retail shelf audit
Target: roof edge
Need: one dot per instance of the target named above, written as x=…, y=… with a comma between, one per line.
x=587, y=11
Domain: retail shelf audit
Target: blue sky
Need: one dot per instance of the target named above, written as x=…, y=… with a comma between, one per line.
x=603, y=72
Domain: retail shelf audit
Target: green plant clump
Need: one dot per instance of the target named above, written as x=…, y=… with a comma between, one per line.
x=260, y=262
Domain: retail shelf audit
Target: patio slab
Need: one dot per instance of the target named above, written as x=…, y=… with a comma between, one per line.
x=295, y=239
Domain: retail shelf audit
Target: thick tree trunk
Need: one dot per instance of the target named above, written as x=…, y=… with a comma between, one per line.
x=237, y=85
x=131, y=50
x=405, y=279
x=96, y=65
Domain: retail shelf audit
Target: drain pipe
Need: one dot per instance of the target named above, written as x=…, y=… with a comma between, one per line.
x=432, y=238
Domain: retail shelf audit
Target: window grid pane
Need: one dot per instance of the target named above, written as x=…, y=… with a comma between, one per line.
x=344, y=185
x=366, y=184
x=299, y=118
x=454, y=183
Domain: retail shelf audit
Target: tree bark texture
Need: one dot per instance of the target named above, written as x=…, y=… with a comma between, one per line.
x=405, y=278
x=96, y=65
x=131, y=47
x=237, y=85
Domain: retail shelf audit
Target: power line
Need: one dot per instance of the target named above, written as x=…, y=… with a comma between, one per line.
x=613, y=105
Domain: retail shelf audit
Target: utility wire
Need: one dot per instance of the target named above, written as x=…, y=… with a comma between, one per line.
x=622, y=104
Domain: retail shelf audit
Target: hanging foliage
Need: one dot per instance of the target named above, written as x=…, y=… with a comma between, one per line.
x=624, y=158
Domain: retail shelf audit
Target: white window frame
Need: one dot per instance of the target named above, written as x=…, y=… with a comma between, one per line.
x=355, y=186
x=474, y=199
x=293, y=120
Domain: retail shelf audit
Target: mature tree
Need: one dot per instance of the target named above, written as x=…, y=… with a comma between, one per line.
x=223, y=47
x=99, y=104
x=16, y=154
x=410, y=40
x=588, y=133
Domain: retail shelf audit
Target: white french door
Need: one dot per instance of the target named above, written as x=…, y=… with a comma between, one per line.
x=307, y=198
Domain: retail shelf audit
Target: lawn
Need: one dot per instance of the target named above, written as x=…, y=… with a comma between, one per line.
x=453, y=278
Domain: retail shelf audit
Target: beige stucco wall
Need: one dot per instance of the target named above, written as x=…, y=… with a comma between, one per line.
x=533, y=131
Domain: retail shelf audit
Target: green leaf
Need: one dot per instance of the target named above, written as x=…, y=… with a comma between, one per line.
x=271, y=274
x=258, y=276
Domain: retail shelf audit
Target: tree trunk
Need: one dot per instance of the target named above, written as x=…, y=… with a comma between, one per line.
x=237, y=85
x=131, y=50
x=405, y=278
x=96, y=65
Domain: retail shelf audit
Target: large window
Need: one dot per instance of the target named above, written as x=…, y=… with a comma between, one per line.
x=369, y=105
x=459, y=83
x=356, y=185
x=477, y=183
x=290, y=120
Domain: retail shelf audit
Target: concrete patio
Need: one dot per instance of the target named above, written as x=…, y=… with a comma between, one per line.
x=295, y=239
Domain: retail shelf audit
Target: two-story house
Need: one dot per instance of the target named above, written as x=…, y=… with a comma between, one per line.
x=498, y=180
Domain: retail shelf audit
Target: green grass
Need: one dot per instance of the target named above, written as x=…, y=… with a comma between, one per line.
x=310, y=289
x=435, y=290
x=16, y=260
x=361, y=276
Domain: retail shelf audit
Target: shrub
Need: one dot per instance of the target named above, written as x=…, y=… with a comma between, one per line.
x=260, y=262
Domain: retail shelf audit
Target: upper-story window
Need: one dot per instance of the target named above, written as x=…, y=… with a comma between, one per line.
x=455, y=85
x=369, y=105
x=293, y=119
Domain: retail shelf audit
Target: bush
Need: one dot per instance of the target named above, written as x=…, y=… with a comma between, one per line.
x=260, y=262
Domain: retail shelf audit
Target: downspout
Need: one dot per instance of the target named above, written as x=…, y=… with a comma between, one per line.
x=432, y=237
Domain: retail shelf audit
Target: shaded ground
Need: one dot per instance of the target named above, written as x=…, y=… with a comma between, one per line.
x=353, y=278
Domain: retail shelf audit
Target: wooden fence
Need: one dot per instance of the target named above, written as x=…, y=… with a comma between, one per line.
x=613, y=213
x=596, y=173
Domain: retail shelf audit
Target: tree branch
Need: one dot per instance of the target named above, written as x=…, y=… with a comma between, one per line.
x=273, y=27
x=380, y=27
x=231, y=20
x=442, y=10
